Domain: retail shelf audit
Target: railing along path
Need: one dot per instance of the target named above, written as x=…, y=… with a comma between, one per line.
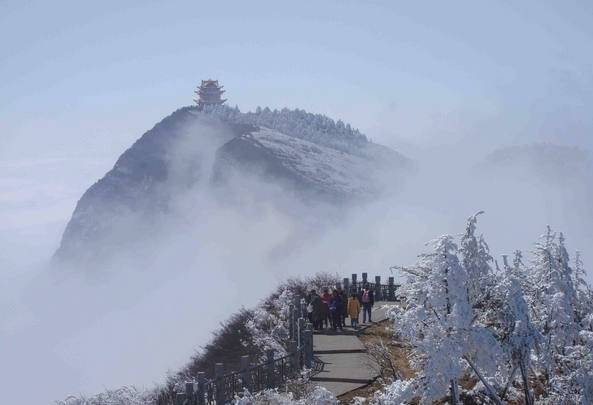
x=274, y=372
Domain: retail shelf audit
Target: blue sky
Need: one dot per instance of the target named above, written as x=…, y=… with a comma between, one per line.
x=90, y=77
x=81, y=81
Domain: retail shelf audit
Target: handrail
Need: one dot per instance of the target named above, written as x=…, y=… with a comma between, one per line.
x=274, y=372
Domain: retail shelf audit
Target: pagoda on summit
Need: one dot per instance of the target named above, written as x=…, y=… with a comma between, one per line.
x=209, y=93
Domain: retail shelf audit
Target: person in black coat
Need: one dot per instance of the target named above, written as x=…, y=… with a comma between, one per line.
x=336, y=308
x=344, y=298
x=318, y=314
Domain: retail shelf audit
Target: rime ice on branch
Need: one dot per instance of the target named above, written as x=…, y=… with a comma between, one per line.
x=209, y=93
x=525, y=332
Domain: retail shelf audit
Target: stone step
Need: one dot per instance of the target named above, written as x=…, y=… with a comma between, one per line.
x=359, y=366
x=343, y=380
x=340, y=388
x=337, y=342
x=344, y=362
x=338, y=351
x=346, y=331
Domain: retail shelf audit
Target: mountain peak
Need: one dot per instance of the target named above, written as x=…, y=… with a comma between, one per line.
x=309, y=156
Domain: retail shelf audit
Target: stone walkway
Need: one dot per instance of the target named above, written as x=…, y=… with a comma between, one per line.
x=345, y=364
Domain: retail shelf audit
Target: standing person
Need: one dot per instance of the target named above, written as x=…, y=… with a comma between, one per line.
x=344, y=298
x=308, y=300
x=317, y=313
x=367, y=298
x=353, y=310
x=325, y=297
x=336, y=307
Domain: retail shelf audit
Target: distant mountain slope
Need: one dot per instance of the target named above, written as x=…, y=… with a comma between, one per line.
x=316, y=159
x=552, y=162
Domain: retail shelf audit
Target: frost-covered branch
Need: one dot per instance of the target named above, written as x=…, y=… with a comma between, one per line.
x=465, y=318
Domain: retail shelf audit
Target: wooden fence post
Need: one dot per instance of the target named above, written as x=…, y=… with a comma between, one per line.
x=301, y=329
x=391, y=289
x=378, y=292
x=245, y=380
x=189, y=393
x=201, y=389
x=303, y=308
x=291, y=321
x=270, y=368
x=308, y=348
x=346, y=283
x=219, y=383
x=294, y=355
x=295, y=319
x=364, y=278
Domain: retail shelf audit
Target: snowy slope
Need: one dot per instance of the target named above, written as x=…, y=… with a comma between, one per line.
x=311, y=167
x=324, y=167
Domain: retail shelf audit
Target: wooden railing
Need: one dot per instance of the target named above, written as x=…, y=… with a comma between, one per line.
x=275, y=371
x=383, y=292
x=224, y=387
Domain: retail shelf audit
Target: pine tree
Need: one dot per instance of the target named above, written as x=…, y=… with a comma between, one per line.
x=476, y=259
x=584, y=294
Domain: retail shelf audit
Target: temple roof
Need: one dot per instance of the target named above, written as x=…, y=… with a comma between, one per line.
x=209, y=92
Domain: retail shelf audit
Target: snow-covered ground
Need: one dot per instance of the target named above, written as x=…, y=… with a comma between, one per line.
x=328, y=168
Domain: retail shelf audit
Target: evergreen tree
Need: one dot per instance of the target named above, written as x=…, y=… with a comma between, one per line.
x=476, y=259
x=584, y=294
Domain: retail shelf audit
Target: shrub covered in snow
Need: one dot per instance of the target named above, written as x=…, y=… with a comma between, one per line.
x=523, y=332
x=121, y=396
x=318, y=396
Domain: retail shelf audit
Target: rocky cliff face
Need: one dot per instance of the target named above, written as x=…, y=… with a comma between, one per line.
x=309, y=156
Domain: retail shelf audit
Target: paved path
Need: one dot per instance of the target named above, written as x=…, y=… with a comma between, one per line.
x=345, y=364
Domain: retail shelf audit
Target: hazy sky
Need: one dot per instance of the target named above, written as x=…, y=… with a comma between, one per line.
x=80, y=81
x=90, y=77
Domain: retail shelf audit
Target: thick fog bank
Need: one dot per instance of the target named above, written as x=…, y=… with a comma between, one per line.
x=144, y=311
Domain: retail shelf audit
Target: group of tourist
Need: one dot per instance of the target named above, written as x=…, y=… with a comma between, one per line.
x=330, y=309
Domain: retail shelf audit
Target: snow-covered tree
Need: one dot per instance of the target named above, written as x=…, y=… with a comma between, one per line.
x=476, y=259
x=584, y=294
x=524, y=331
x=553, y=303
x=519, y=336
x=438, y=321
